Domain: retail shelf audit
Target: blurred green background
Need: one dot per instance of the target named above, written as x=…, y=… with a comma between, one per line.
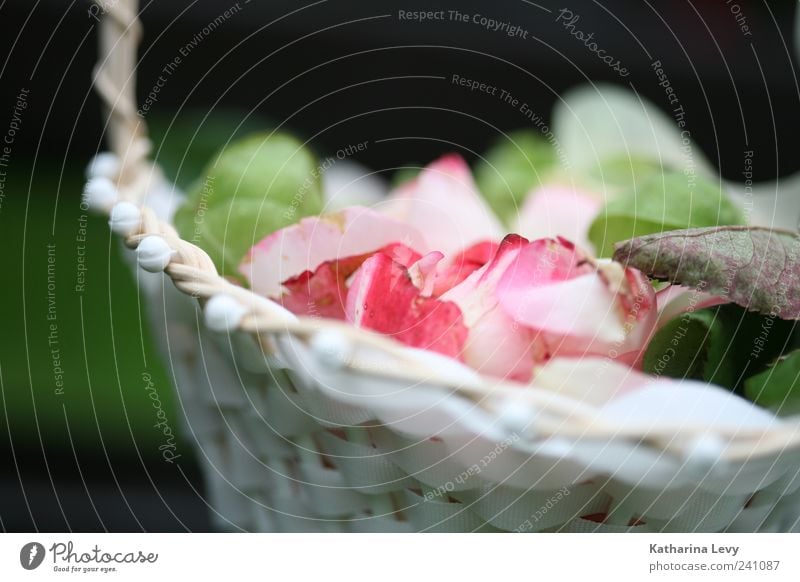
x=104, y=340
x=102, y=335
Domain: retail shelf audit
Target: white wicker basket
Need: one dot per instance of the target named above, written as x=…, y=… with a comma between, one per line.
x=311, y=425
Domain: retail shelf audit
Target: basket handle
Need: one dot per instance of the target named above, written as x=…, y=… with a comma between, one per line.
x=115, y=82
x=189, y=267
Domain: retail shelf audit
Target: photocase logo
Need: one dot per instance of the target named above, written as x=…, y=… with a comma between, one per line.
x=31, y=555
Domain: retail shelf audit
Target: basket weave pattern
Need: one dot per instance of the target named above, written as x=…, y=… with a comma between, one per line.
x=277, y=459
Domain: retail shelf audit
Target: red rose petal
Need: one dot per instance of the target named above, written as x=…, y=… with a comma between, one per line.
x=383, y=298
x=463, y=264
x=323, y=292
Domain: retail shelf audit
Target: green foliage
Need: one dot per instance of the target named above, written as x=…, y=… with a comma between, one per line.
x=184, y=143
x=253, y=187
x=778, y=386
x=622, y=174
x=102, y=338
x=686, y=347
x=601, y=122
x=723, y=345
x=404, y=174
x=755, y=267
x=662, y=203
x=512, y=168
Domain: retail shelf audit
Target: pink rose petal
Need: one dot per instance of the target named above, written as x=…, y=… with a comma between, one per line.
x=463, y=264
x=675, y=300
x=289, y=252
x=323, y=292
x=552, y=211
x=423, y=272
x=497, y=345
x=383, y=298
x=579, y=308
x=444, y=205
x=583, y=307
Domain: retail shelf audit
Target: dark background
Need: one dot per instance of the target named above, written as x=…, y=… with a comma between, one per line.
x=337, y=73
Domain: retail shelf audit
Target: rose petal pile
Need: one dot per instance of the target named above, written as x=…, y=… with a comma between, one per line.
x=431, y=267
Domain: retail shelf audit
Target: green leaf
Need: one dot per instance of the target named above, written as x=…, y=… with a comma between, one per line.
x=597, y=122
x=683, y=347
x=778, y=386
x=722, y=345
x=663, y=203
x=403, y=175
x=183, y=144
x=253, y=187
x=749, y=342
x=511, y=168
x=756, y=268
x=622, y=174
x=228, y=231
